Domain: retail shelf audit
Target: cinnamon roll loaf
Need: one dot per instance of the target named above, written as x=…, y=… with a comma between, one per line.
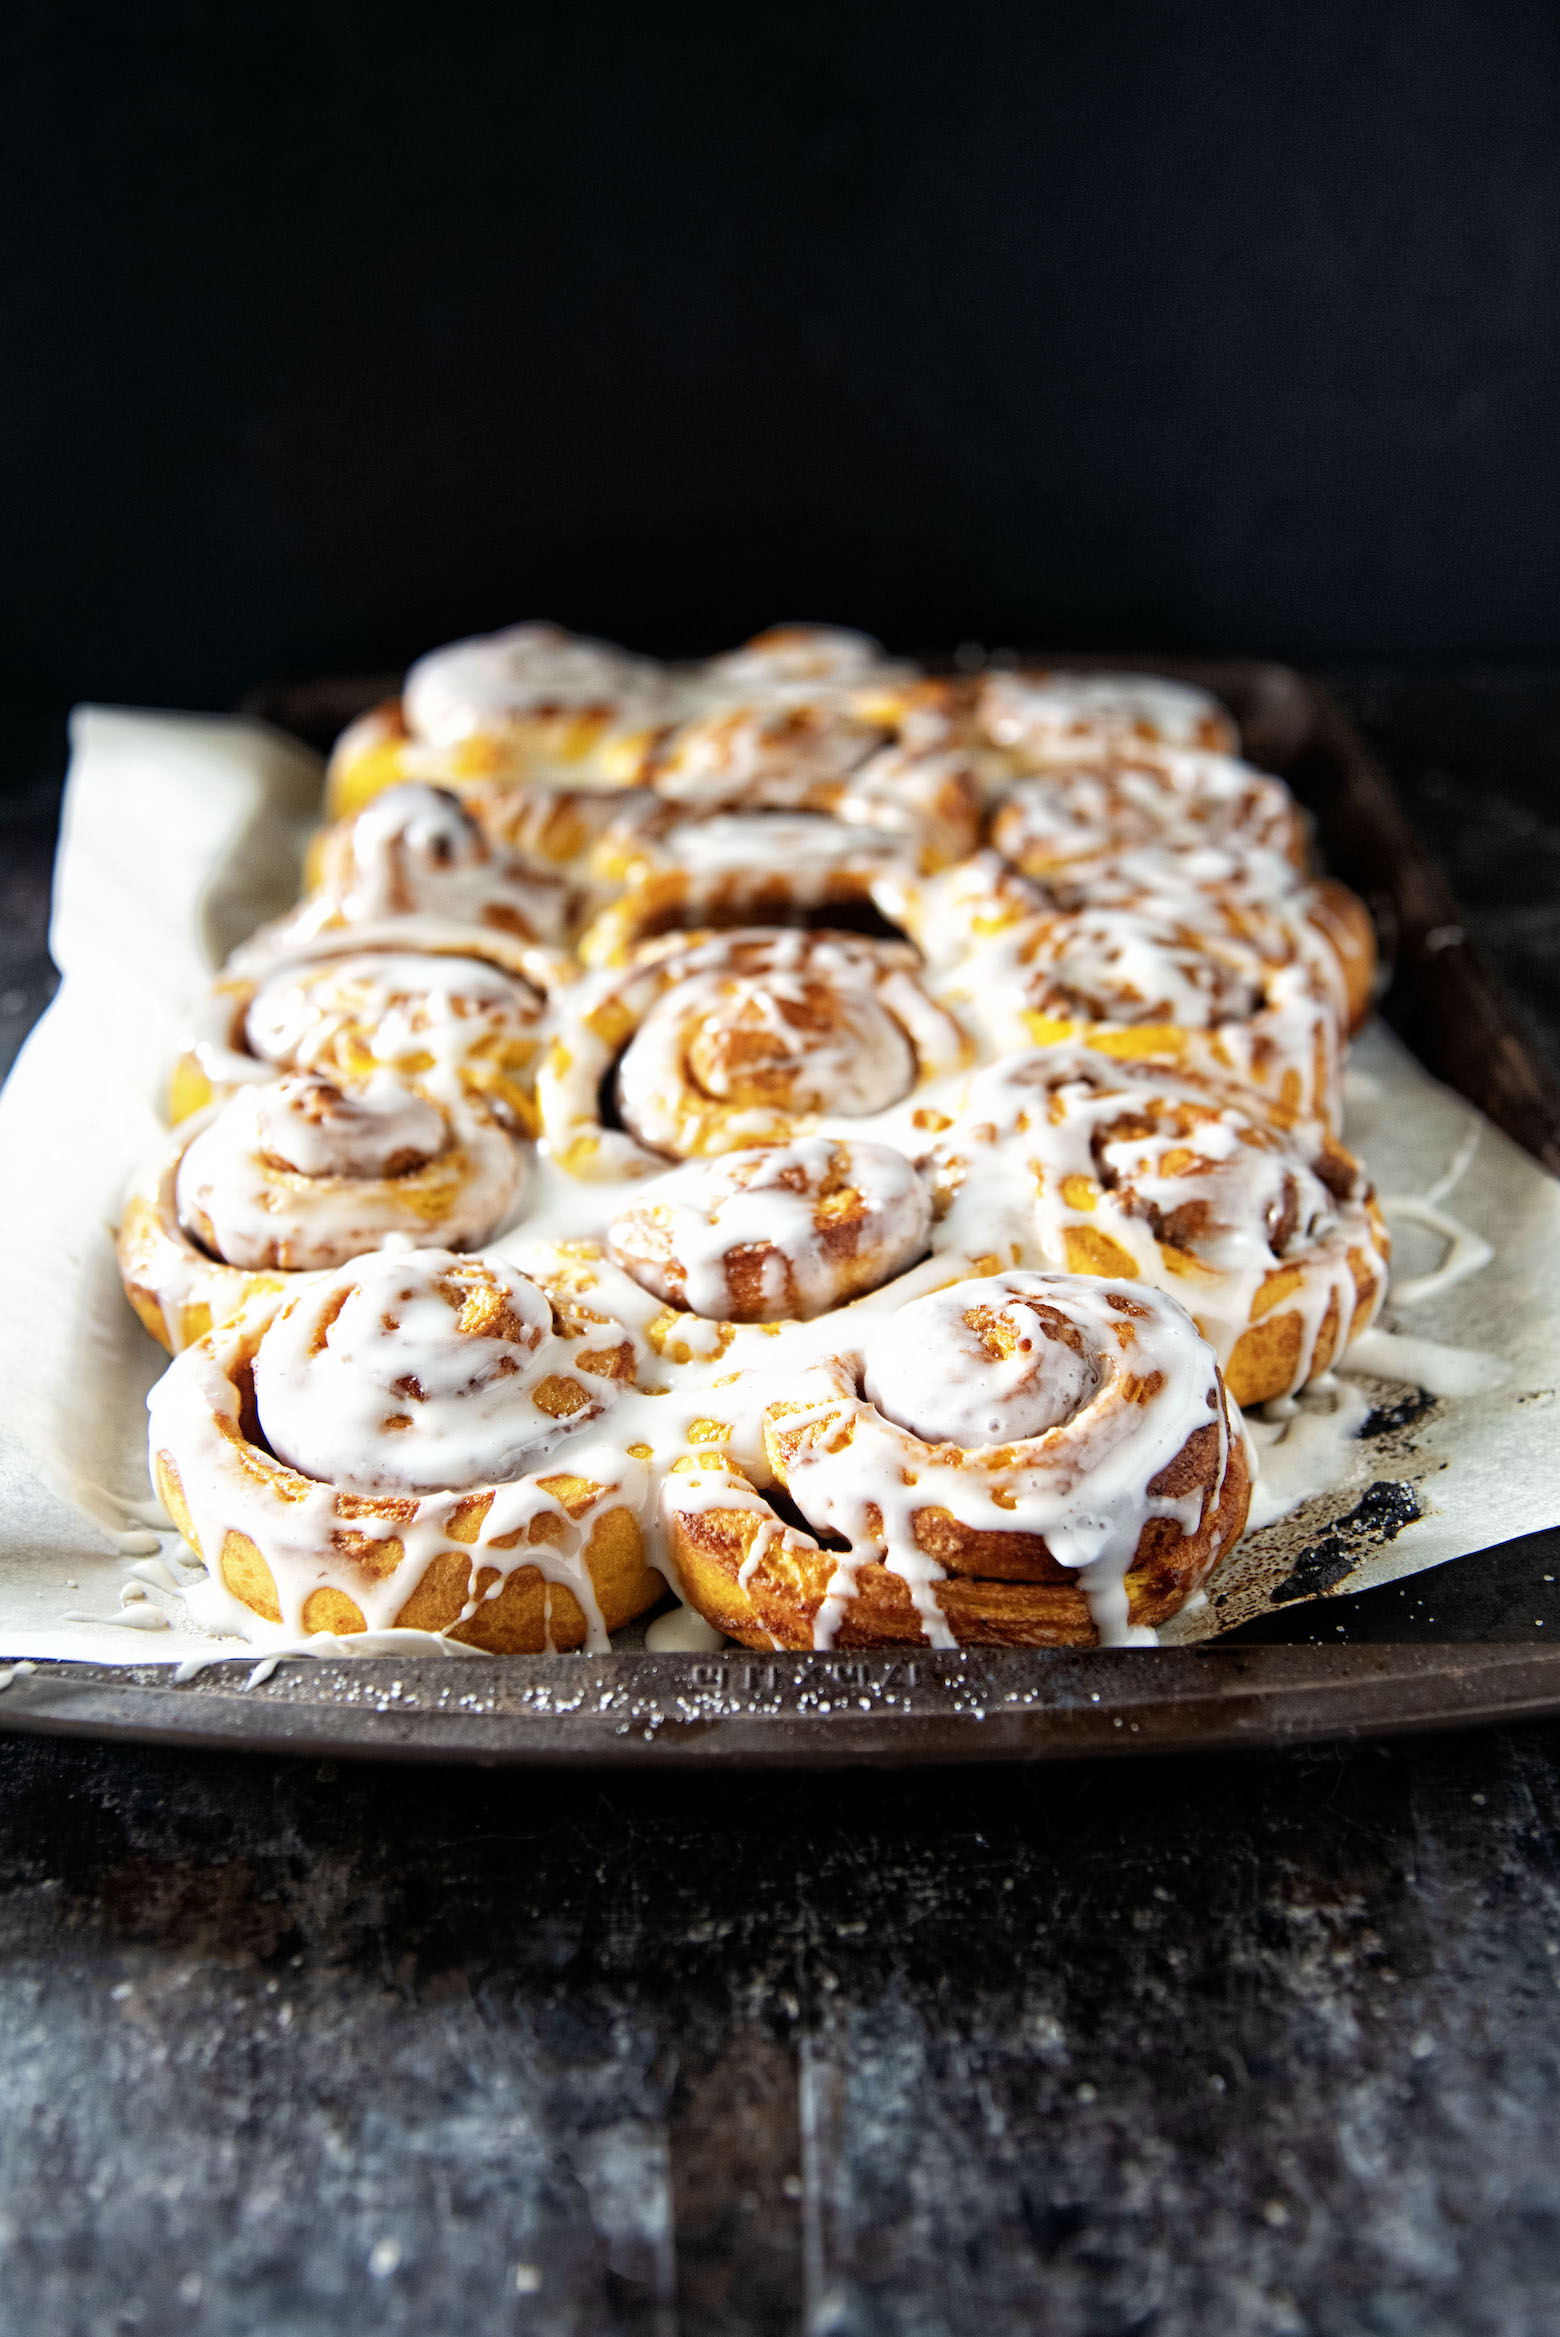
x=843, y=1139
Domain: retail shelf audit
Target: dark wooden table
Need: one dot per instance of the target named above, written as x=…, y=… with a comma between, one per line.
x=1257, y=2045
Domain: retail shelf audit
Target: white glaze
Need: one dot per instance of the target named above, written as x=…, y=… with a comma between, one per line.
x=683, y=1632
x=798, y=657
x=1051, y=1140
x=1467, y=1252
x=770, y=755
x=833, y=1025
x=408, y=1373
x=445, y=1022
x=809, y=848
x=1310, y=1453
x=1427, y=1363
x=416, y=851
x=978, y=1365
x=682, y=1235
x=302, y=1175
x=1172, y=796
x=1046, y=715
x=494, y=679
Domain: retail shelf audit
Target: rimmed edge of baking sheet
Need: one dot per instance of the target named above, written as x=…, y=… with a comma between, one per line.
x=818, y=1711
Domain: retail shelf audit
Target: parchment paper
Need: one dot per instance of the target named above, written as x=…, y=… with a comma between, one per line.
x=180, y=835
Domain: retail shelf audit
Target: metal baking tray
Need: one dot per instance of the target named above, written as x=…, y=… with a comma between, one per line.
x=638, y=1710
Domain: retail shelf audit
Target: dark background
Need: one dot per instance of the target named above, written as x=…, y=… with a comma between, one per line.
x=328, y=331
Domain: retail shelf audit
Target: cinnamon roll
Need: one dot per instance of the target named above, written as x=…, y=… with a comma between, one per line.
x=799, y=658
x=1271, y=1238
x=1138, y=982
x=415, y=864
x=1078, y=810
x=411, y=1442
x=706, y=1044
x=735, y=868
x=1025, y=1460
x=890, y=760
x=1037, y=718
x=777, y=1234
x=1232, y=897
x=296, y=1176
x=1244, y=893
x=530, y=701
x=459, y=1028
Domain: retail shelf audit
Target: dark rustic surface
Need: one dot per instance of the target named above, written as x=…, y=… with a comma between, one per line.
x=1266, y=2044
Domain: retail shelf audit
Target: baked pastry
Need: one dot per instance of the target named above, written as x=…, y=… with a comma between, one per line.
x=707, y=1043
x=1245, y=904
x=794, y=749
x=408, y=1443
x=1077, y=810
x=1164, y=979
x=800, y=659
x=778, y=1233
x=736, y=868
x=1030, y=1459
x=1039, y=717
x=1237, y=892
x=934, y=1083
x=531, y=701
x=1270, y=1238
x=294, y=1175
x=768, y=811
x=415, y=867
x=456, y=1026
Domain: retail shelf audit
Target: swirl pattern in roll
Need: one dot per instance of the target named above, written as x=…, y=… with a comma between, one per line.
x=1270, y=1238
x=1137, y=982
x=718, y=1042
x=408, y=1443
x=1037, y=718
x=462, y=1030
x=1028, y=1458
x=777, y=1234
x=890, y=761
x=1079, y=810
x=298, y=1175
x=1242, y=893
x=416, y=853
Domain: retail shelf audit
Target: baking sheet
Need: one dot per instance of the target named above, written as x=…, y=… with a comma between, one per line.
x=182, y=833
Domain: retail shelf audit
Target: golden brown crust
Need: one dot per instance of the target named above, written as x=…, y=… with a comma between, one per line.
x=210, y=1463
x=906, y=1535
x=775, y=1603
